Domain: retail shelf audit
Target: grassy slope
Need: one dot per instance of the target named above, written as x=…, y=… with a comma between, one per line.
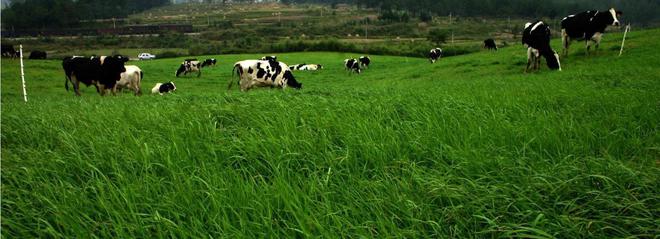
x=467, y=147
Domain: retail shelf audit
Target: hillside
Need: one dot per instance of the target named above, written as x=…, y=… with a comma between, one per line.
x=467, y=147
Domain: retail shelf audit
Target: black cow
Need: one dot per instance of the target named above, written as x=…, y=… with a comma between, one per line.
x=364, y=61
x=588, y=26
x=435, y=54
x=490, y=44
x=103, y=72
x=38, y=55
x=9, y=51
x=537, y=36
x=352, y=65
x=209, y=62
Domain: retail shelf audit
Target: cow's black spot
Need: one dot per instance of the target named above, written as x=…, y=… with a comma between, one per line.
x=250, y=70
x=261, y=73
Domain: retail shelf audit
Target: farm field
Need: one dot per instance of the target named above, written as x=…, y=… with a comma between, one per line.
x=469, y=147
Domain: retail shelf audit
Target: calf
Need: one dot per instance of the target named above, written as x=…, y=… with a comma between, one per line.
x=131, y=79
x=163, y=88
x=588, y=26
x=364, y=61
x=103, y=72
x=490, y=44
x=37, y=55
x=352, y=65
x=537, y=35
x=259, y=73
x=208, y=62
x=435, y=54
x=189, y=66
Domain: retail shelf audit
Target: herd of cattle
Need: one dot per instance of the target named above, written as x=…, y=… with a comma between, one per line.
x=108, y=73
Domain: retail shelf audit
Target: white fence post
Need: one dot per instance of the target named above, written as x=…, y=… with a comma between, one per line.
x=624, y=39
x=22, y=73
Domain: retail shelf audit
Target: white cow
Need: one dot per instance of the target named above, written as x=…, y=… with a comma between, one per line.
x=259, y=73
x=131, y=79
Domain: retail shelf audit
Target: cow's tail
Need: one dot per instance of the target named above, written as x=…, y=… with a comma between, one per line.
x=234, y=71
x=66, y=83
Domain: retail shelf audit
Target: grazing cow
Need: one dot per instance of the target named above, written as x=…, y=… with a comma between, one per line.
x=9, y=51
x=258, y=73
x=209, y=62
x=37, y=55
x=588, y=26
x=533, y=59
x=162, y=88
x=103, y=72
x=305, y=67
x=189, y=66
x=364, y=61
x=131, y=79
x=537, y=35
x=435, y=54
x=490, y=44
x=269, y=58
x=352, y=65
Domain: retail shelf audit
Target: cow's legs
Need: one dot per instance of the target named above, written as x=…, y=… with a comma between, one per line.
x=76, y=84
x=199, y=73
x=596, y=38
x=566, y=42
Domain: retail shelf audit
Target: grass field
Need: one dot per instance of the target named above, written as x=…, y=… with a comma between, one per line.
x=469, y=147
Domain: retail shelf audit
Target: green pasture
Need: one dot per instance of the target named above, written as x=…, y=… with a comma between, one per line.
x=469, y=147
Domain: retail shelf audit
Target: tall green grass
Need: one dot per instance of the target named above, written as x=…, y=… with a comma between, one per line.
x=469, y=147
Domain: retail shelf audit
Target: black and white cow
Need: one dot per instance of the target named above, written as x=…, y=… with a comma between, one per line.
x=260, y=73
x=490, y=44
x=103, y=72
x=269, y=58
x=435, y=54
x=364, y=61
x=9, y=51
x=163, y=88
x=209, y=62
x=352, y=65
x=38, y=55
x=305, y=67
x=189, y=66
x=537, y=35
x=588, y=26
x=131, y=78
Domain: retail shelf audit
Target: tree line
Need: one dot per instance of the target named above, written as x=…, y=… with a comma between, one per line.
x=635, y=11
x=30, y=14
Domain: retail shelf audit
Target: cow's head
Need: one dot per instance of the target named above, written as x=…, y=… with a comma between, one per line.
x=112, y=67
x=290, y=80
x=182, y=68
x=552, y=60
x=615, y=17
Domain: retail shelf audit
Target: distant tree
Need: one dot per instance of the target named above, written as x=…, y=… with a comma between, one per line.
x=437, y=36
